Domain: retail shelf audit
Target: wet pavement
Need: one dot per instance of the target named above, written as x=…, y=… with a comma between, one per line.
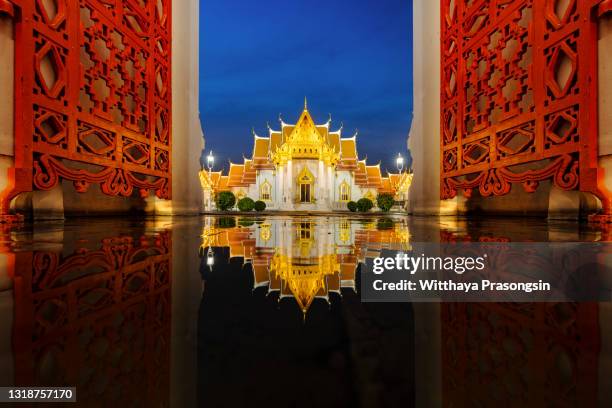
x=265, y=311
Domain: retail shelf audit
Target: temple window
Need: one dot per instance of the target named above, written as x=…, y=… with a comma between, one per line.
x=345, y=231
x=265, y=191
x=305, y=193
x=305, y=230
x=345, y=192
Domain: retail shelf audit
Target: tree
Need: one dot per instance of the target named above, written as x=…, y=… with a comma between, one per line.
x=225, y=200
x=246, y=204
x=385, y=201
x=364, y=204
x=352, y=206
x=260, y=206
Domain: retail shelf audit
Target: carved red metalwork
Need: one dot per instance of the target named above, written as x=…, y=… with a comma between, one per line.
x=93, y=96
x=98, y=318
x=7, y=8
x=519, y=96
x=520, y=354
x=604, y=7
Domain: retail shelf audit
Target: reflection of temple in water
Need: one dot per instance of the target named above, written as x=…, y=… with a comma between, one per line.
x=303, y=258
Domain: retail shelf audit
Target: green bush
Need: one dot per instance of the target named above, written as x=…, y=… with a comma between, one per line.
x=246, y=222
x=352, y=206
x=227, y=222
x=260, y=206
x=384, y=224
x=385, y=201
x=364, y=204
x=225, y=200
x=246, y=204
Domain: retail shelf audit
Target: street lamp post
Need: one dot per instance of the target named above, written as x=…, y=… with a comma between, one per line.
x=400, y=163
x=210, y=162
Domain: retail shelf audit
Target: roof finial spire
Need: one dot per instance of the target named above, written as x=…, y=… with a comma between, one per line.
x=305, y=104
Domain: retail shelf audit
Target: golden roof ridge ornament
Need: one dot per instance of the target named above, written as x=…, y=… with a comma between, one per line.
x=282, y=122
x=328, y=123
x=339, y=131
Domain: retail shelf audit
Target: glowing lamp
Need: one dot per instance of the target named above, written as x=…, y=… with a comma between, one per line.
x=399, y=162
x=210, y=160
x=210, y=258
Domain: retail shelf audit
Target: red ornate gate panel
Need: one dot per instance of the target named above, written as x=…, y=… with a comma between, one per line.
x=519, y=96
x=93, y=97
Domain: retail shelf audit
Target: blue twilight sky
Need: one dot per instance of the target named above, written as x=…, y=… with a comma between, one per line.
x=350, y=58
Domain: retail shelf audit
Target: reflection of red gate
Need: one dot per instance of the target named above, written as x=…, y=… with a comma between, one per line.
x=97, y=319
x=92, y=95
x=519, y=96
x=520, y=354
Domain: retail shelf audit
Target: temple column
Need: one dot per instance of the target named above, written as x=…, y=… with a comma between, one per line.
x=289, y=185
x=321, y=184
x=280, y=191
x=330, y=188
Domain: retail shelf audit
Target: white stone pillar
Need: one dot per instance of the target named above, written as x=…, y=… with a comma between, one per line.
x=280, y=191
x=288, y=234
x=187, y=137
x=320, y=232
x=424, y=139
x=289, y=185
x=605, y=97
x=330, y=188
x=321, y=187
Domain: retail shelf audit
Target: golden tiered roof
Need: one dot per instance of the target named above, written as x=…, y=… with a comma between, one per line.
x=303, y=140
x=304, y=281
